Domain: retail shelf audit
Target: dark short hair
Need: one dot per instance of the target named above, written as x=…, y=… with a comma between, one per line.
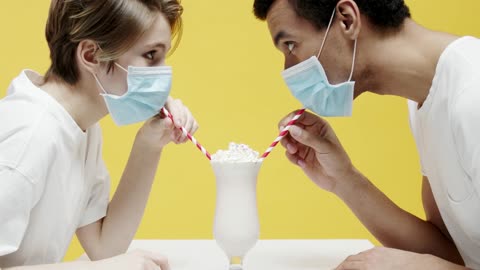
x=384, y=14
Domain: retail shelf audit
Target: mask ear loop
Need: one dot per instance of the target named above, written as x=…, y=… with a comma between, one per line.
x=95, y=75
x=326, y=33
x=325, y=39
x=100, y=84
x=353, y=61
x=122, y=68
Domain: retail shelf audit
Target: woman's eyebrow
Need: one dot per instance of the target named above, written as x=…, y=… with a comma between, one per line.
x=156, y=45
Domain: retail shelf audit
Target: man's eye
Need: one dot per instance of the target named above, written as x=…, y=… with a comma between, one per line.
x=150, y=55
x=290, y=46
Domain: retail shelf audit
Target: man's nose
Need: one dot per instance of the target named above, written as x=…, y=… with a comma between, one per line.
x=288, y=63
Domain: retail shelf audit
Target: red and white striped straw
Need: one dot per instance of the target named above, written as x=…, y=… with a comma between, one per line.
x=190, y=137
x=282, y=134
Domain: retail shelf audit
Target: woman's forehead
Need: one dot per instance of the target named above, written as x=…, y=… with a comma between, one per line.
x=158, y=33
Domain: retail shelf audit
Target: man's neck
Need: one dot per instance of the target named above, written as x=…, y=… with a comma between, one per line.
x=404, y=64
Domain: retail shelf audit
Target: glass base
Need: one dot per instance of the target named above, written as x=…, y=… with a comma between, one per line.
x=236, y=267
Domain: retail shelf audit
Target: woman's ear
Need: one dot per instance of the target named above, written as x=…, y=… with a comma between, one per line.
x=87, y=56
x=350, y=18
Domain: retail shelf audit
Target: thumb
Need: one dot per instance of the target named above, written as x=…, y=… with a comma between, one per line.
x=304, y=137
x=168, y=123
x=164, y=123
x=159, y=260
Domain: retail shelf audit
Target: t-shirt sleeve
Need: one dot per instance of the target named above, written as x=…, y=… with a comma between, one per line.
x=99, y=198
x=97, y=204
x=466, y=132
x=16, y=202
x=416, y=131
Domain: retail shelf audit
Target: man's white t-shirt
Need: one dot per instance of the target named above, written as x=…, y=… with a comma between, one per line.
x=52, y=177
x=447, y=133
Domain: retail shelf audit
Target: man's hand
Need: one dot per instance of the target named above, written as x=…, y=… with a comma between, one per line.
x=313, y=145
x=393, y=259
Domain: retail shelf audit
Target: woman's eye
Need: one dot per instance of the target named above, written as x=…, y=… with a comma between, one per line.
x=150, y=55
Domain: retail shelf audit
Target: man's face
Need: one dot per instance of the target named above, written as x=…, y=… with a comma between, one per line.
x=294, y=36
x=298, y=39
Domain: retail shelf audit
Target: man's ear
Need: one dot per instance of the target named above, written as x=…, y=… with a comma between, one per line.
x=87, y=56
x=350, y=20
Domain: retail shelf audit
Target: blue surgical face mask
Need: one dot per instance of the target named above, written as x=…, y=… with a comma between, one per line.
x=308, y=82
x=148, y=90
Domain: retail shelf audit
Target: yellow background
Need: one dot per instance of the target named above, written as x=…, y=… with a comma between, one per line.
x=228, y=72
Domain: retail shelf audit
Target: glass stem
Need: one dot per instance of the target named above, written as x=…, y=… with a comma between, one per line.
x=236, y=263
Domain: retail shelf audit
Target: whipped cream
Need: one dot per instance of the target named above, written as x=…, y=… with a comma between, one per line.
x=236, y=153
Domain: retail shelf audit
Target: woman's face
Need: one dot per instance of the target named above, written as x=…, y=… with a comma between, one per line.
x=150, y=50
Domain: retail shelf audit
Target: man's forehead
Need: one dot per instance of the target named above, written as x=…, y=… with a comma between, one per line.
x=280, y=11
x=280, y=17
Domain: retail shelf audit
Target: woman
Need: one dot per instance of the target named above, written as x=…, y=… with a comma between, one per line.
x=53, y=182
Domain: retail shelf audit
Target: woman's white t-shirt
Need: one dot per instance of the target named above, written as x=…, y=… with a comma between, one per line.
x=52, y=177
x=447, y=133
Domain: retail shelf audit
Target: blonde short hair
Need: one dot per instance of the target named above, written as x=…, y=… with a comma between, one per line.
x=115, y=25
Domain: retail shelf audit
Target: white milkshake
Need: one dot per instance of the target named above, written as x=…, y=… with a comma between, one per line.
x=236, y=227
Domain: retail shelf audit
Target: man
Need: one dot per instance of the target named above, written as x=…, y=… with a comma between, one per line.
x=337, y=49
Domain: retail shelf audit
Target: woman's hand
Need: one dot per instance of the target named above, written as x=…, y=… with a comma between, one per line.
x=160, y=130
x=136, y=260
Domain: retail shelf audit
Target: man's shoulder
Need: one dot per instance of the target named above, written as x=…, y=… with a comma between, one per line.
x=463, y=55
x=464, y=113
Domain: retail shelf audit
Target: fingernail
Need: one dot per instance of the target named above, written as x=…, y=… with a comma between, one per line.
x=302, y=164
x=282, y=127
x=295, y=131
x=291, y=149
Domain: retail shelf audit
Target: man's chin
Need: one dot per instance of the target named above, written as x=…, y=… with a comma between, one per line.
x=357, y=93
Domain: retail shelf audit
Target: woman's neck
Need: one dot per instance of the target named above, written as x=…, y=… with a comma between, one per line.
x=82, y=100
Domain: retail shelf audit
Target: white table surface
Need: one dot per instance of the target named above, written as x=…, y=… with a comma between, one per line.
x=266, y=255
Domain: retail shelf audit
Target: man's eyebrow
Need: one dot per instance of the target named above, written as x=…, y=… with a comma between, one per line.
x=280, y=35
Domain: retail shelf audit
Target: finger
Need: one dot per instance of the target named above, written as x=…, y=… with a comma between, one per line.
x=158, y=259
x=286, y=140
x=289, y=118
x=351, y=265
x=163, y=123
x=304, y=151
x=177, y=136
x=150, y=265
x=310, y=119
x=289, y=145
x=305, y=120
x=295, y=160
x=168, y=123
x=175, y=107
x=173, y=136
x=180, y=138
x=307, y=138
x=189, y=125
x=354, y=258
x=182, y=117
x=292, y=146
x=195, y=127
x=289, y=139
